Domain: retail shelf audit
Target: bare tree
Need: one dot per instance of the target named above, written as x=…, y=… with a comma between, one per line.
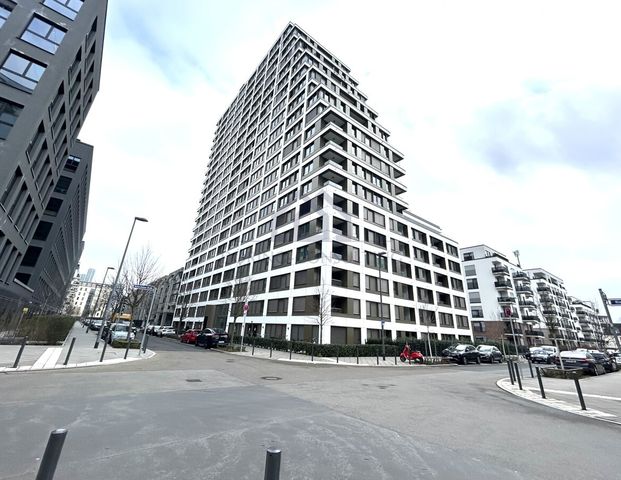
x=142, y=269
x=240, y=296
x=322, y=308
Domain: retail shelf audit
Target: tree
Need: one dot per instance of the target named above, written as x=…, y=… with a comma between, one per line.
x=240, y=296
x=322, y=309
x=142, y=269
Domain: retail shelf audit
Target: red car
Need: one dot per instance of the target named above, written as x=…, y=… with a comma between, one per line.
x=189, y=336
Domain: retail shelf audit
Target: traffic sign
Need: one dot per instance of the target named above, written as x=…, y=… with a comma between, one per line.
x=245, y=307
x=615, y=301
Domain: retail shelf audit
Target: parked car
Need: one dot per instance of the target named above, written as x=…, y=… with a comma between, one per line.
x=223, y=337
x=539, y=355
x=95, y=324
x=118, y=331
x=462, y=353
x=490, y=353
x=207, y=338
x=582, y=360
x=189, y=336
x=166, y=332
x=609, y=363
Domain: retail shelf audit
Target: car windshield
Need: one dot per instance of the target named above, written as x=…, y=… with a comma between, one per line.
x=121, y=328
x=484, y=349
x=460, y=348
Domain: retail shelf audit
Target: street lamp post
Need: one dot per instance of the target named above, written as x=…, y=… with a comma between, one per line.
x=116, y=280
x=103, y=282
x=381, y=306
x=144, y=332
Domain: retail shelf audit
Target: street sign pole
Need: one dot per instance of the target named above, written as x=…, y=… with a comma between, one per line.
x=613, y=328
x=241, y=346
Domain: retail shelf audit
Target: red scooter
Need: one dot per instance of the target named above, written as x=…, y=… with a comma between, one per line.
x=411, y=355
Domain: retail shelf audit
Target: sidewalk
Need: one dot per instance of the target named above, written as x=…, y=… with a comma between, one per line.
x=374, y=361
x=37, y=357
x=602, y=394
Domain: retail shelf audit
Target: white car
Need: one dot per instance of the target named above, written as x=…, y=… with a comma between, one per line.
x=166, y=332
x=119, y=332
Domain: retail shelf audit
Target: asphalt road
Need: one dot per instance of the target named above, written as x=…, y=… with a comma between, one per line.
x=189, y=413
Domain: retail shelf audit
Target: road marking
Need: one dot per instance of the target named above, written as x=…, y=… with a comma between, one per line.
x=45, y=358
x=592, y=395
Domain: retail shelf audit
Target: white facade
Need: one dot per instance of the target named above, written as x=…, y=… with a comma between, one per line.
x=301, y=195
x=86, y=298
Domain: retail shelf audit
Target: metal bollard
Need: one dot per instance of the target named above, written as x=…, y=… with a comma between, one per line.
x=580, y=396
x=103, y=350
x=69, y=352
x=129, y=342
x=394, y=350
x=144, y=346
x=19, y=354
x=543, y=393
x=357, y=357
x=517, y=375
x=52, y=454
x=290, y=349
x=510, y=367
x=377, y=355
x=530, y=366
x=312, y=352
x=337, y=354
x=253, y=342
x=272, y=464
x=271, y=345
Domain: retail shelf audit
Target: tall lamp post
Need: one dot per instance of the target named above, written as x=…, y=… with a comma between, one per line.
x=116, y=280
x=103, y=282
x=381, y=306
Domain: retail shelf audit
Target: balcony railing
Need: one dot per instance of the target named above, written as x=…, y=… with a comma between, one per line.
x=530, y=317
x=521, y=275
x=523, y=288
x=534, y=333
x=503, y=284
x=500, y=269
x=506, y=299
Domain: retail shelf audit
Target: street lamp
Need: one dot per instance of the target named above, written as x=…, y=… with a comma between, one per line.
x=381, y=306
x=116, y=280
x=103, y=282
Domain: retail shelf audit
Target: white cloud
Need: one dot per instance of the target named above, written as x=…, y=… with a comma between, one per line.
x=438, y=73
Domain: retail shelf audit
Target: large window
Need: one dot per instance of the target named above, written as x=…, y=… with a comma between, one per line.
x=277, y=306
x=280, y=282
x=67, y=8
x=43, y=34
x=21, y=72
x=9, y=112
x=5, y=10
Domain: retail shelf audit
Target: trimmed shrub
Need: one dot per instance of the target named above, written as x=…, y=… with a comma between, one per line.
x=123, y=344
x=47, y=329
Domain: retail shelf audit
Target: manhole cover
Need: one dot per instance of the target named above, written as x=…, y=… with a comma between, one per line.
x=271, y=378
x=192, y=380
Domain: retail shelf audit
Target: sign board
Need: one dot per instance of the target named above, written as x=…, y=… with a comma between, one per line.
x=615, y=301
x=245, y=307
x=143, y=287
x=25, y=310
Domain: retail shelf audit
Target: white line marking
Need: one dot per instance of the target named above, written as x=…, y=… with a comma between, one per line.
x=42, y=360
x=51, y=362
x=592, y=395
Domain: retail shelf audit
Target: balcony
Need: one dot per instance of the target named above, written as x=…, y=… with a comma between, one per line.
x=534, y=333
x=513, y=315
x=521, y=276
x=550, y=312
x=524, y=289
x=526, y=303
x=530, y=318
x=506, y=300
x=543, y=288
x=503, y=284
x=500, y=270
x=517, y=329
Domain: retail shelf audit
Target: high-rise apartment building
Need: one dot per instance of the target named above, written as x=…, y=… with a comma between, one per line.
x=50, y=63
x=302, y=216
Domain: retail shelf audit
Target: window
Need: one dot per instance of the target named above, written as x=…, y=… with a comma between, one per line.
x=401, y=268
x=307, y=278
x=446, y=320
x=374, y=238
x=308, y=252
x=462, y=321
x=470, y=270
x=228, y=274
x=452, y=250
x=374, y=217
x=425, y=295
x=9, y=112
x=43, y=34
x=255, y=308
x=264, y=228
x=419, y=236
x=263, y=246
x=472, y=283
x=21, y=72
x=5, y=10
x=308, y=305
x=258, y=286
x=281, y=260
x=232, y=258
x=401, y=290
x=277, y=306
x=422, y=274
x=246, y=237
x=243, y=271
x=280, y=282
x=459, y=302
x=260, y=266
x=67, y=8
x=468, y=256
x=457, y=284
x=285, y=218
x=454, y=266
x=404, y=314
x=373, y=311
x=245, y=253
x=283, y=238
x=399, y=247
x=475, y=297
x=398, y=227
x=372, y=284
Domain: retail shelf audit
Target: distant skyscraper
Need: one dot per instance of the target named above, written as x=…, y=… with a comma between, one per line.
x=88, y=277
x=50, y=64
x=302, y=217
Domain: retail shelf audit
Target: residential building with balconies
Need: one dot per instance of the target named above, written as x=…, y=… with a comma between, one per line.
x=302, y=210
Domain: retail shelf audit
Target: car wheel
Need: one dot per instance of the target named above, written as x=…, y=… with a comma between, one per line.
x=464, y=360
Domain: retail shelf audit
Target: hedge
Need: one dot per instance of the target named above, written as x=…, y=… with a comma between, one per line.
x=123, y=344
x=370, y=349
x=47, y=329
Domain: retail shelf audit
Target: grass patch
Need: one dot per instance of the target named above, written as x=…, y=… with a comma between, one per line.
x=48, y=330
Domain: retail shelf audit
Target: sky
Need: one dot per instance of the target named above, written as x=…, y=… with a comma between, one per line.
x=508, y=115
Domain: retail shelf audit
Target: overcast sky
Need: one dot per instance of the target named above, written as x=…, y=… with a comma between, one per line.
x=508, y=113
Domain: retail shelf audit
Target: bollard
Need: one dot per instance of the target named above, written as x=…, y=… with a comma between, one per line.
x=357, y=357
x=377, y=355
x=312, y=352
x=337, y=354
x=580, y=396
x=271, y=344
x=272, y=464
x=103, y=350
x=394, y=350
x=530, y=366
x=69, y=352
x=144, y=345
x=253, y=342
x=19, y=354
x=543, y=393
x=510, y=367
x=517, y=375
x=129, y=342
x=52, y=454
x=290, y=349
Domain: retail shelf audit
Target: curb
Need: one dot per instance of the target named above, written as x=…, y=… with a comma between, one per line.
x=95, y=363
x=527, y=394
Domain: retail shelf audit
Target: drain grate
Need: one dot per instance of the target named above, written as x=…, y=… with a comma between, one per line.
x=271, y=378
x=193, y=380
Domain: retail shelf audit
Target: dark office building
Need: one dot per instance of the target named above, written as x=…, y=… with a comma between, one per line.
x=50, y=65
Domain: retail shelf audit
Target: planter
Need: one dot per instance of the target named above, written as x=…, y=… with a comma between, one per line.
x=565, y=374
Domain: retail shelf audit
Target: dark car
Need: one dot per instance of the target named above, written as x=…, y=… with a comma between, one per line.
x=542, y=356
x=580, y=360
x=490, y=353
x=208, y=338
x=223, y=337
x=462, y=353
x=609, y=363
